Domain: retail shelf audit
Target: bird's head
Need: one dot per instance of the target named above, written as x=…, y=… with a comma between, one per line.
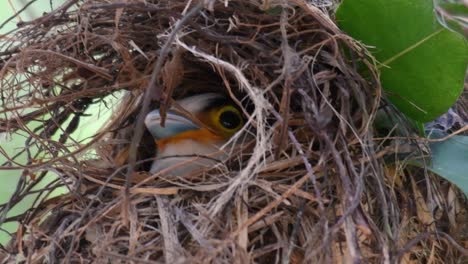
x=205, y=123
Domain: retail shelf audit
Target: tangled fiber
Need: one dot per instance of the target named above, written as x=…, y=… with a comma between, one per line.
x=310, y=180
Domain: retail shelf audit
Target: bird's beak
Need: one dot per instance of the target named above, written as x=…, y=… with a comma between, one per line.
x=174, y=124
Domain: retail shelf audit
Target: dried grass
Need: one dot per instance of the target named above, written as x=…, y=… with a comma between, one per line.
x=308, y=181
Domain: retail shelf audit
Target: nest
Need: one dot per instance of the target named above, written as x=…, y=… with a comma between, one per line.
x=309, y=180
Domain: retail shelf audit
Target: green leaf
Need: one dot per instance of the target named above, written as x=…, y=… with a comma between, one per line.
x=449, y=160
x=423, y=64
x=455, y=8
x=453, y=16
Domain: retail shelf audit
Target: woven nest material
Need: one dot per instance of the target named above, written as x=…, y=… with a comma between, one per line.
x=306, y=183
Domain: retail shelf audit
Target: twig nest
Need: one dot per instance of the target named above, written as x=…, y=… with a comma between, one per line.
x=305, y=181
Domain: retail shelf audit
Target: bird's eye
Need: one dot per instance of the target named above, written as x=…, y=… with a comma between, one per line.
x=230, y=118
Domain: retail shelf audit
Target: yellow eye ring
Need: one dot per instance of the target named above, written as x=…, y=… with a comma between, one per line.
x=228, y=119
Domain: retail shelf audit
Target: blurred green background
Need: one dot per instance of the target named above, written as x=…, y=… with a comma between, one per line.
x=12, y=143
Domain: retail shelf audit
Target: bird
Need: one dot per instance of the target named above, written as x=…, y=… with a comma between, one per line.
x=185, y=143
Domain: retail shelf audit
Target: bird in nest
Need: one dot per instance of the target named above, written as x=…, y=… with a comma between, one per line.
x=194, y=140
